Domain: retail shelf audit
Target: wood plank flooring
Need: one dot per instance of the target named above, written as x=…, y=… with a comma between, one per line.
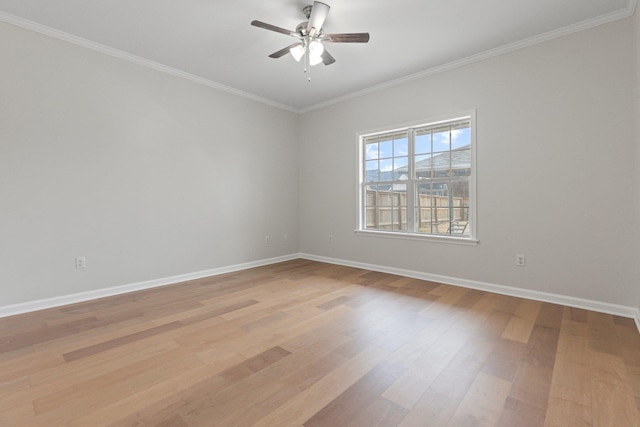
x=303, y=343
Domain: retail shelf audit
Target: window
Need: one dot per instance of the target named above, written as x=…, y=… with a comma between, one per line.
x=418, y=180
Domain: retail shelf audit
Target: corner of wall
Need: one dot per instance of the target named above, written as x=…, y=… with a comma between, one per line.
x=636, y=52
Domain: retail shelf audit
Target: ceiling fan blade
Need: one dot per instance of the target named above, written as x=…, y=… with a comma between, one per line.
x=327, y=59
x=270, y=27
x=319, y=13
x=283, y=52
x=346, y=38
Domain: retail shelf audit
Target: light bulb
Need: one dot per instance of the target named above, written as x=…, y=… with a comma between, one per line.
x=314, y=59
x=316, y=48
x=315, y=52
x=297, y=52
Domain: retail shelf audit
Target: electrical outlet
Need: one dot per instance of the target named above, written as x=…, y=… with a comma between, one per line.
x=330, y=238
x=81, y=262
x=520, y=260
x=266, y=239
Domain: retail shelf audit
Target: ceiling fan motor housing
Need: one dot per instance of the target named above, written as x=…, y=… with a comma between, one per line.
x=302, y=28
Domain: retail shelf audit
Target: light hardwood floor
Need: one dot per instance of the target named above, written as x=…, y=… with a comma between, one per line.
x=303, y=343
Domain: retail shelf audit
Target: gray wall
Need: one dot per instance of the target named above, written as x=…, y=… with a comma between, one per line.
x=146, y=174
x=150, y=176
x=556, y=168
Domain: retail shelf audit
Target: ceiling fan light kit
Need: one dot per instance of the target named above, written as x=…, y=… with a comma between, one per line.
x=297, y=52
x=311, y=36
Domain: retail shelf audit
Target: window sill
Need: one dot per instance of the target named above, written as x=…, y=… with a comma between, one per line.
x=423, y=237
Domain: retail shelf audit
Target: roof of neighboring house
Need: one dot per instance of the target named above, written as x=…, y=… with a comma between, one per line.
x=460, y=159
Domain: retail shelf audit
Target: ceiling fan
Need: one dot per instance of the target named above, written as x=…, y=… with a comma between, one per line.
x=311, y=37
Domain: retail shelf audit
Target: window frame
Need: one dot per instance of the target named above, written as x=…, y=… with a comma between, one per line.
x=411, y=234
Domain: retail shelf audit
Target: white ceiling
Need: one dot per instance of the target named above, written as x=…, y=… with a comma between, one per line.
x=212, y=41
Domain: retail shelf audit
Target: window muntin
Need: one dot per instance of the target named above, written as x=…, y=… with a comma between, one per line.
x=418, y=180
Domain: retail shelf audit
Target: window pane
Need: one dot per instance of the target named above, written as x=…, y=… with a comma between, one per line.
x=371, y=202
x=440, y=222
x=385, y=199
x=442, y=164
x=401, y=167
x=461, y=162
x=400, y=211
x=371, y=151
x=460, y=136
x=386, y=170
x=423, y=142
x=386, y=209
x=401, y=147
x=437, y=207
x=370, y=218
x=459, y=208
x=370, y=196
x=441, y=139
x=371, y=171
x=460, y=194
x=427, y=208
x=386, y=149
x=423, y=208
x=423, y=166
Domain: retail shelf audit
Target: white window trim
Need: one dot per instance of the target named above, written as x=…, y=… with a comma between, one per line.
x=473, y=238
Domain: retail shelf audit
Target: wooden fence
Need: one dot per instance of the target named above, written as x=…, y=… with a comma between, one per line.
x=433, y=212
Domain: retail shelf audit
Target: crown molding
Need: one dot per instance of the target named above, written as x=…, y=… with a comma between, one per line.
x=88, y=44
x=501, y=50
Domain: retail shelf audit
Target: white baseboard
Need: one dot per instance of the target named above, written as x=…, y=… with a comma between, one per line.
x=602, y=307
x=42, y=304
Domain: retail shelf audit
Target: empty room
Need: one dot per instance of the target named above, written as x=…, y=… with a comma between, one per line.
x=298, y=213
